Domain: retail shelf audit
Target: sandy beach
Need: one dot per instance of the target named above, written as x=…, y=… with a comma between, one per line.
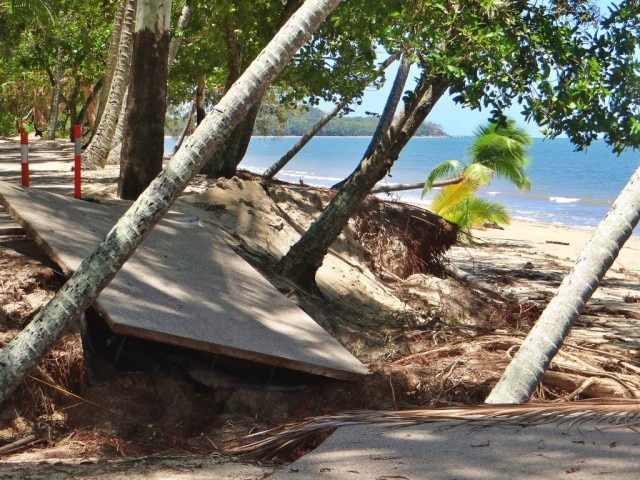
x=527, y=241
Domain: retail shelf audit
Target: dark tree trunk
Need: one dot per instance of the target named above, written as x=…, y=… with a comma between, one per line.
x=304, y=258
x=200, y=88
x=389, y=112
x=143, y=144
x=225, y=162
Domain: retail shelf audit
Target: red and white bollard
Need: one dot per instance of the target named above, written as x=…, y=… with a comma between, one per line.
x=24, y=155
x=77, y=135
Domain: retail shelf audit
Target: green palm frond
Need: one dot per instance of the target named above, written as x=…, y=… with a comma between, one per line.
x=497, y=150
x=614, y=412
x=451, y=196
x=504, y=149
x=473, y=212
x=441, y=171
x=478, y=174
x=476, y=211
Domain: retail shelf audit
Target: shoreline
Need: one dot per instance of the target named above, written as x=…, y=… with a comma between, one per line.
x=562, y=242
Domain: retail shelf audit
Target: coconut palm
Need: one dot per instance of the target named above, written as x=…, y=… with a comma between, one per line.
x=528, y=366
x=96, y=154
x=497, y=150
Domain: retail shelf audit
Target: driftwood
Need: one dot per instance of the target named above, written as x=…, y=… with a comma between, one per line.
x=593, y=387
x=478, y=284
x=399, y=187
x=10, y=447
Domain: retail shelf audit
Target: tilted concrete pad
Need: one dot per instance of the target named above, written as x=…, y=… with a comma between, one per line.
x=184, y=285
x=556, y=451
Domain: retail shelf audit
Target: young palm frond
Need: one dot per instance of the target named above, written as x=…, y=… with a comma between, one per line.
x=442, y=171
x=497, y=150
x=471, y=212
x=474, y=212
x=451, y=197
x=613, y=412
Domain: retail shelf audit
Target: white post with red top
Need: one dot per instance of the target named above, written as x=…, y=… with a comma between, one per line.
x=77, y=187
x=24, y=154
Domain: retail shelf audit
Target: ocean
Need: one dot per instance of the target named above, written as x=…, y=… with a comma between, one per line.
x=568, y=187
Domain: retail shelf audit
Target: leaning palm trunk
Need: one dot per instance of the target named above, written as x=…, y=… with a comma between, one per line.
x=273, y=170
x=388, y=114
x=401, y=187
x=525, y=371
x=115, y=152
x=96, y=154
x=185, y=16
x=114, y=46
x=397, y=90
x=25, y=351
x=305, y=257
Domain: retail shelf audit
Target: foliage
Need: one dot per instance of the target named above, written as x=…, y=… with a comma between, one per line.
x=28, y=50
x=299, y=121
x=497, y=150
x=572, y=69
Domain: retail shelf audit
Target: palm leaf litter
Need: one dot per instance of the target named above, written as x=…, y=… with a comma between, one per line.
x=605, y=413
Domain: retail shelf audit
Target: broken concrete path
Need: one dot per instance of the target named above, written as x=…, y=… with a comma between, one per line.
x=183, y=286
x=580, y=450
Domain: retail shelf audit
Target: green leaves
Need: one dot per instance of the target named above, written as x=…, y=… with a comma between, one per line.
x=443, y=170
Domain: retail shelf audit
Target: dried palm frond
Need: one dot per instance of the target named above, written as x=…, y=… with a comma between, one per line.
x=609, y=411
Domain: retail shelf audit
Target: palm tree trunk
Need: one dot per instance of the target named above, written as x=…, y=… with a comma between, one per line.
x=96, y=153
x=199, y=102
x=273, y=170
x=186, y=129
x=115, y=151
x=25, y=351
x=388, y=113
x=302, y=261
x=176, y=41
x=143, y=139
x=415, y=186
x=525, y=371
x=113, y=60
x=391, y=106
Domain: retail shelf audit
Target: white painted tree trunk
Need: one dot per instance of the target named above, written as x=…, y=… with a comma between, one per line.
x=525, y=371
x=26, y=350
x=96, y=153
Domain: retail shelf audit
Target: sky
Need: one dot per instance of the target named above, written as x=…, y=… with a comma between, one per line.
x=454, y=119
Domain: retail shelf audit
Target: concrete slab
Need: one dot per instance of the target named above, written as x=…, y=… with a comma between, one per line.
x=184, y=286
x=433, y=452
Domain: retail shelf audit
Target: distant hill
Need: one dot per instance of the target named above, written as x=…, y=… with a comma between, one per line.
x=300, y=121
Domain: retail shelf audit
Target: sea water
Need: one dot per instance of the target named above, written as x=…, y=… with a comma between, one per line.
x=568, y=187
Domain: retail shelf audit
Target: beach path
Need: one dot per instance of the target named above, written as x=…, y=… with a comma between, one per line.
x=183, y=286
